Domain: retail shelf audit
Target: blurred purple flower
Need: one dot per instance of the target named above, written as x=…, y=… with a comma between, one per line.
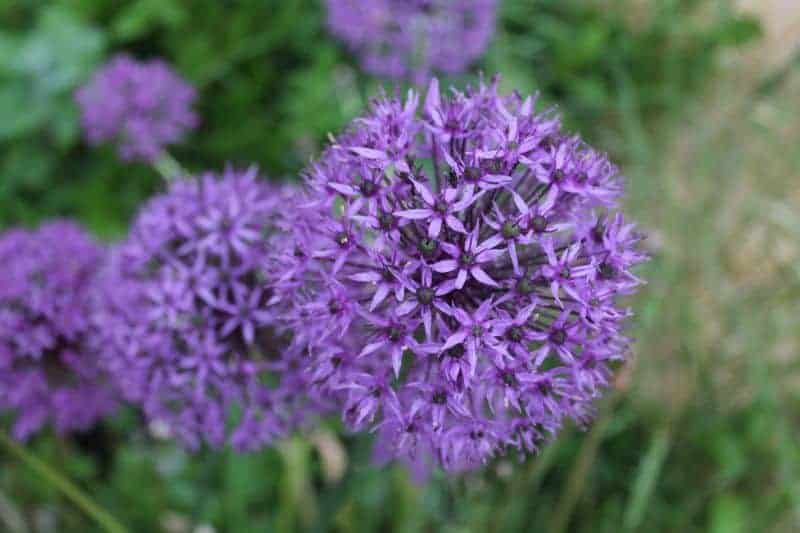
x=48, y=371
x=141, y=107
x=408, y=39
x=470, y=266
x=188, y=332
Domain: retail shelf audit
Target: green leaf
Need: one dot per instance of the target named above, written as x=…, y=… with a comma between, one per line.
x=141, y=17
x=20, y=114
x=728, y=515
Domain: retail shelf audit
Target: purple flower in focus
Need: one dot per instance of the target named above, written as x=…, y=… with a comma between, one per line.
x=48, y=371
x=490, y=315
x=188, y=332
x=407, y=39
x=141, y=107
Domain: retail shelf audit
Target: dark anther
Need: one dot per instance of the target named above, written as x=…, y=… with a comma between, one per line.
x=477, y=331
x=298, y=252
x=472, y=174
x=456, y=352
x=428, y=246
x=336, y=360
x=475, y=435
x=428, y=7
x=441, y=207
x=452, y=178
x=597, y=232
x=333, y=307
x=394, y=334
x=607, y=271
x=37, y=278
x=515, y=333
x=558, y=175
x=558, y=336
x=539, y=223
x=368, y=188
x=388, y=276
x=565, y=272
x=525, y=286
x=386, y=221
x=343, y=239
x=440, y=397
x=469, y=20
x=583, y=177
x=425, y=295
x=509, y=379
x=467, y=258
x=510, y=230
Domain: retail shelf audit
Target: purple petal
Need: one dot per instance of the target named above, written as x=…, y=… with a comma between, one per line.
x=369, y=153
x=479, y=274
x=455, y=224
x=434, y=227
x=406, y=307
x=423, y=191
x=456, y=338
x=415, y=214
x=447, y=265
x=461, y=279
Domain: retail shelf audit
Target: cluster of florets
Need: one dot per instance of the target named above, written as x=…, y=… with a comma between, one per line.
x=47, y=372
x=456, y=272
x=141, y=107
x=187, y=333
x=407, y=39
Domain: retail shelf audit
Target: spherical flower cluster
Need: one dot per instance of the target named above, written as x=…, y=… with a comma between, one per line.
x=139, y=106
x=456, y=272
x=407, y=39
x=186, y=328
x=47, y=371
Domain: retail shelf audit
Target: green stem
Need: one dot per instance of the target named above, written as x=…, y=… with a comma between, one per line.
x=65, y=486
x=576, y=480
x=168, y=167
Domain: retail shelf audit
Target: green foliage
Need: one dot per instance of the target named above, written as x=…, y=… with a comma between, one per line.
x=585, y=55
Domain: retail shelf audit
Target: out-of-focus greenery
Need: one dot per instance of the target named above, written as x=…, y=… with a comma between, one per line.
x=700, y=431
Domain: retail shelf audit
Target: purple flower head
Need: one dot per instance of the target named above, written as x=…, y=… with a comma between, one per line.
x=407, y=39
x=139, y=106
x=48, y=371
x=456, y=272
x=188, y=329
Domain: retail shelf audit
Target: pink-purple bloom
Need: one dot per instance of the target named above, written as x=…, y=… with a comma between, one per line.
x=49, y=373
x=455, y=272
x=409, y=39
x=187, y=331
x=139, y=106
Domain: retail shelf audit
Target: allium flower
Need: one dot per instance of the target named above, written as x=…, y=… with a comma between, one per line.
x=407, y=39
x=186, y=326
x=456, y=271
x=48, y=373
x=139, y=106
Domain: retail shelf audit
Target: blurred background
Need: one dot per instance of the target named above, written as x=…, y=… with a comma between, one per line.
x=697, y=100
